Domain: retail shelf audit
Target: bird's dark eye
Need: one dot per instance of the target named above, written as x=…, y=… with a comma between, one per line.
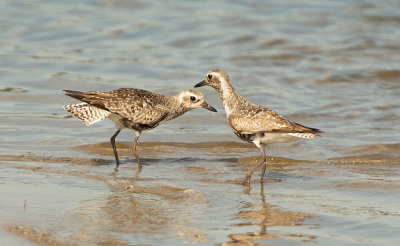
x=192, y=98
x=209, y=76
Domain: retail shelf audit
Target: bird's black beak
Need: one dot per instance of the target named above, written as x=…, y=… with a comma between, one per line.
x=200, y=84
x=207, y=106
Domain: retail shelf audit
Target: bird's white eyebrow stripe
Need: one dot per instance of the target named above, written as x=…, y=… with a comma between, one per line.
x=214, y=73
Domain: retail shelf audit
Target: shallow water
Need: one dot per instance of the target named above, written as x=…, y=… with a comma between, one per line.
x=331, y=65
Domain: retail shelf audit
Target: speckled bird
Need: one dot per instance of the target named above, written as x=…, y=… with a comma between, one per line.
x=253, y=123
x=134, y=109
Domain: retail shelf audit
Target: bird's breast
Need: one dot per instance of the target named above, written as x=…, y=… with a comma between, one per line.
x=245, y=137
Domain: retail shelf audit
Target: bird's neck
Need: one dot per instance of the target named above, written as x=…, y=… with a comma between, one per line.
x=180, y=108
x=229, y=97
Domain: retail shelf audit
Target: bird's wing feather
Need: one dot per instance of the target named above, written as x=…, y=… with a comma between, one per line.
x=139, y=105
x=264, y=120
x=136, y=105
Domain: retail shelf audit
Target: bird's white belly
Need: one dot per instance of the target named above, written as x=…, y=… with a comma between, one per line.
x=268, y=138
x=117, y=120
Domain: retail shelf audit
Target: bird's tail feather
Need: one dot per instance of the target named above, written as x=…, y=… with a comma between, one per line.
x=87, y=113
x=303, y=134
x=305, y=131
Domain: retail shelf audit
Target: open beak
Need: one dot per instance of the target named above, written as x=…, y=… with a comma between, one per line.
x=207, y=106
x=200, y=84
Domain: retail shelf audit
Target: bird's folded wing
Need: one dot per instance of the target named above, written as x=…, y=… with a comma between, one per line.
x=136, y=105
x=267, y=121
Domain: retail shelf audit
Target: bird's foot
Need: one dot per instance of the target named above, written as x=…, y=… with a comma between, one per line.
x=246, y=181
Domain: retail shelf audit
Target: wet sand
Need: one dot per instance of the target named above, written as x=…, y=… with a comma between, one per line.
x=196, y=199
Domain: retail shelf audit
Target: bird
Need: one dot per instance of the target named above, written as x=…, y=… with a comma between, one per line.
x=253, y=123
x=135, y=109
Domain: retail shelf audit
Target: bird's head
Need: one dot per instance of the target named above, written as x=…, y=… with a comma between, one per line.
x=193, y=99
x=215, y=78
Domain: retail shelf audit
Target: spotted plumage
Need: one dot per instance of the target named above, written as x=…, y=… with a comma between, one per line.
x=86, y=113
x=251, y=122
x=134, y=109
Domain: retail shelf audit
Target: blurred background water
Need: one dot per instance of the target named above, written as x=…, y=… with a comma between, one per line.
x=332, y=65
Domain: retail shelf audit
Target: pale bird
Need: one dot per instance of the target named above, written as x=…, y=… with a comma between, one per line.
x=253, y=123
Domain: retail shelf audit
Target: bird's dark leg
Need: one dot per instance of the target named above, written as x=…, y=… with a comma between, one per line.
x=263, y=170
x=112, y=139
x=134, y=150
x=136, y=139
x=263, y=161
